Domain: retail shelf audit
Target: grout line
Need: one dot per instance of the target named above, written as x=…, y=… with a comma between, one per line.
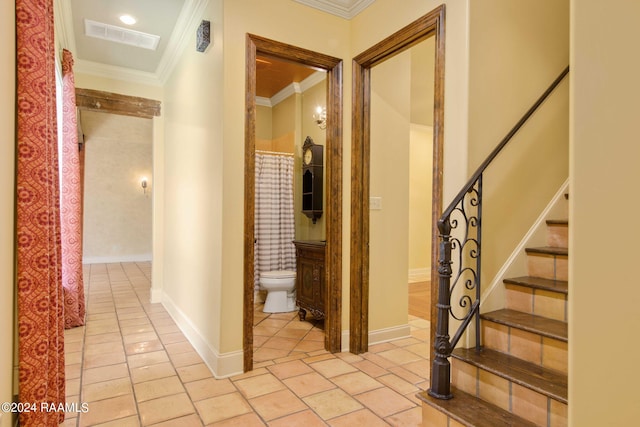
x=125, y=275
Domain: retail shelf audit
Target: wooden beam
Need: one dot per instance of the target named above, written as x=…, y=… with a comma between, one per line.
x=108, y=102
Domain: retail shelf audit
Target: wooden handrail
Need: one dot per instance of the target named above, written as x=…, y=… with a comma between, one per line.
x=501, y=145
x=468, y=206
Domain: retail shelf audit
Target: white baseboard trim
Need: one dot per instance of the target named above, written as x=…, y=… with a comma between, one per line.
x=419, y=275
x=519, y=249
x=380, y=335
x=113, y=259
x=156, y=295
x=389, y=334
x=221, y=365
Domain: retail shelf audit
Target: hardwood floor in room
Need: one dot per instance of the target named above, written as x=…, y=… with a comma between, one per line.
x=420, y=299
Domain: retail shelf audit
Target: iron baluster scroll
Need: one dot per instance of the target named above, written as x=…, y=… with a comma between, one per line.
x=460, y=246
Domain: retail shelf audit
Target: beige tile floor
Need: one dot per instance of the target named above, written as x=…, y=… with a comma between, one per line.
x=133, y=367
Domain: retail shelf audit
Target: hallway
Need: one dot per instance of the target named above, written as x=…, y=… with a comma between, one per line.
x=133, y=367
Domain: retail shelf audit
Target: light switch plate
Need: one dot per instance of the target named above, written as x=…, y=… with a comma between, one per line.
x=375, y=203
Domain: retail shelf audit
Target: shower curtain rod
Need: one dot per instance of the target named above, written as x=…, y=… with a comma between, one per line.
x=276, y=153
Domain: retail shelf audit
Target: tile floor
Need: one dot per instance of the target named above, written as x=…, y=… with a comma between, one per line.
x=133, y=367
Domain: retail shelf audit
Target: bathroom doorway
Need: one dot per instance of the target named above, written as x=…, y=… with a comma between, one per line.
x=265, y=49
x=288, y=95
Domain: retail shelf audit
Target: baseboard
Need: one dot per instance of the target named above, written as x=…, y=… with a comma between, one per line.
x=380, y=335
x=419, y=275
x=221, y=365
x=114, y=259
x=156, y=295
x=389, y=334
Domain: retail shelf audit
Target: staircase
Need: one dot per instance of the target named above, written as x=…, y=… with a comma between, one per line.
x=519, y=377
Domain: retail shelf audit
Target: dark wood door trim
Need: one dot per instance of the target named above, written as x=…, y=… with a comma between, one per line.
x=333, y=210
x=431, y=24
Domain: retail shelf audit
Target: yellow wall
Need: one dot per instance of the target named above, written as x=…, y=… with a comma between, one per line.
x=420, y=183
x=263, y=128
x=516, y=50
x=7, y=203
x=383, y=18
x=389, y=226
x=603, y=290
x=388, y=287
x=288, y=22
x=311, y=98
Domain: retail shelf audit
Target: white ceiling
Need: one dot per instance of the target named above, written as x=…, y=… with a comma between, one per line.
x=172, y=20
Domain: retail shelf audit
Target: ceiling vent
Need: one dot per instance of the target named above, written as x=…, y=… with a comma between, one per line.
x=120, y=35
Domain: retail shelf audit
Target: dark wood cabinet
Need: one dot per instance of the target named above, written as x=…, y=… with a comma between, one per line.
x=310, y=278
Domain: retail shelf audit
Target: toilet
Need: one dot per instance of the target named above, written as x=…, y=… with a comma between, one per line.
x=281, y=291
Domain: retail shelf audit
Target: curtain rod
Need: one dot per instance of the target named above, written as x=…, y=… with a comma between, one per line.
x=277, y=153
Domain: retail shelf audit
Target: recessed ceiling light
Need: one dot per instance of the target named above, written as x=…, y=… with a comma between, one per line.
x=128, y=19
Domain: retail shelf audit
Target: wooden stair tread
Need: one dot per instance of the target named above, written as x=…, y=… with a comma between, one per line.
x=558, y=222
x=560, y=286
x=473, y=412
x=544, y=326
x=546, y=381
x=548, y=250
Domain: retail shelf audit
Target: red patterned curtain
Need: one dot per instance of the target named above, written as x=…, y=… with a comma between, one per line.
x=71, y=202
x=40, y=304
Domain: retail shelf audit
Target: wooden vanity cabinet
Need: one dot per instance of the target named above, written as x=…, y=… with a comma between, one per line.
x=310, y=278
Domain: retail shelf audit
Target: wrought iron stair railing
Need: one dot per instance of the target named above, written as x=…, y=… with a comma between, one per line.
x=464, y=216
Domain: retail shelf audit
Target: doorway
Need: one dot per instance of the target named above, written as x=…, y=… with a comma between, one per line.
x=430, y=25
x=333, y=178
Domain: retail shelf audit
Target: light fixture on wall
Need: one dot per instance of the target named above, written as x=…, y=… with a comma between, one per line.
x=203, y=36
x=143, y=184
x=320, y=117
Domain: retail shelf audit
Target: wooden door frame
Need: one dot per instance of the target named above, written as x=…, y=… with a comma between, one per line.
x=431, y=24
x=333, y=176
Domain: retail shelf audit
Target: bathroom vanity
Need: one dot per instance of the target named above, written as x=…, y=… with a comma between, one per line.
x=310, y=278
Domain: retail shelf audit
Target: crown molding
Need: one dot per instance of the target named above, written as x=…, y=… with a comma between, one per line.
x=186, y=26
x=346, y=9
x=65, y=34
x=114, y=72
x=263, y=101
x=312, y=80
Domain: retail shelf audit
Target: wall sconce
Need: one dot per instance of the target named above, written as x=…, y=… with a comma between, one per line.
x=203, y=36
x=143, y=184
x=320, y=117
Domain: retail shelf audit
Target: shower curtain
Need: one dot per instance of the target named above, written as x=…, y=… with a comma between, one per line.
x=274, y=220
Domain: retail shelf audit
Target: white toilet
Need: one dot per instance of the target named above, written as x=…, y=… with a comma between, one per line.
x=281, y=291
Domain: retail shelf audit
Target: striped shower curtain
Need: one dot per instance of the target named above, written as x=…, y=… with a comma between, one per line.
x=274, y=220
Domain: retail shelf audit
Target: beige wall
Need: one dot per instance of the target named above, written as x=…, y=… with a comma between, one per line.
x=264, y=125
x=193, y=116
x=311, y=98
x=117, y=210
x=86, y=81
x=7, y=204
x=388, y=287
x=389, y=226
x=603, y=289
x=287, y=124
x=420, y=183
x=383, y=18
x=516, y=50
x=288, y=22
